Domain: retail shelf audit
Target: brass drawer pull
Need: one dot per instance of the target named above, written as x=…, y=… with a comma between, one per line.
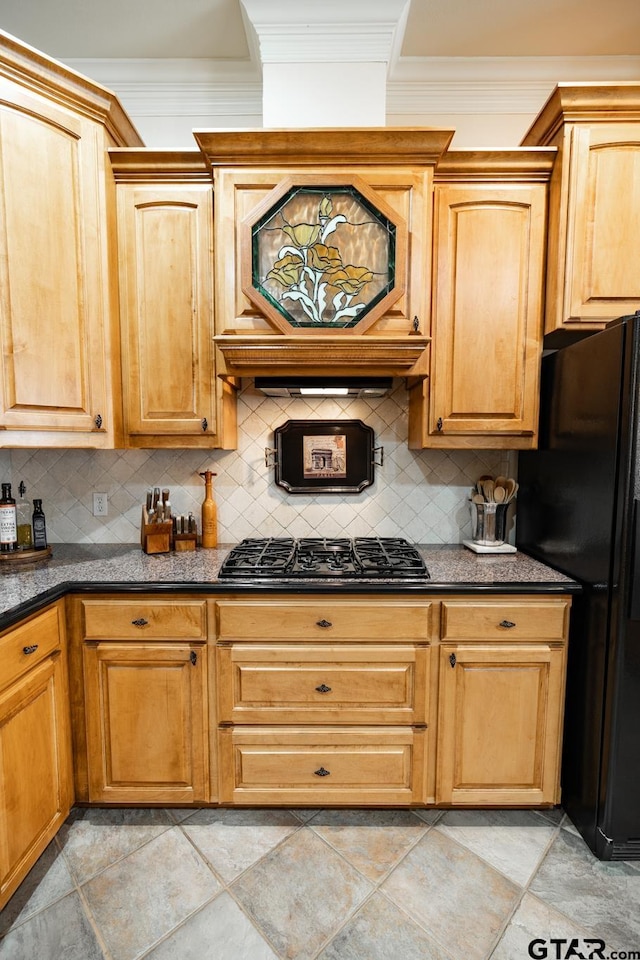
x=323, y=623
x=323, y=688
x=140, y=622
x=322, y=772
x=507, y=624
x=30, y=649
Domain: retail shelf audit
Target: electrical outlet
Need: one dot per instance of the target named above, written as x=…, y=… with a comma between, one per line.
x=100, y=505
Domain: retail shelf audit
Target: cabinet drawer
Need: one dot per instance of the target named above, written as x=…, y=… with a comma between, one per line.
x=29, y=644
x=328, y=619
x=144, y=619
x=319, y=684
x=373, y=766
x=502, y=619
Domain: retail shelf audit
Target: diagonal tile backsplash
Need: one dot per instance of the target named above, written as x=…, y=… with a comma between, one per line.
x=421, y=495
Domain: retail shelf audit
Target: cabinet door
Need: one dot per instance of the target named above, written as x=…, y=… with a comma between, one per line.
x=487, y=315
x=55, y=311
x=166, y=294
x=602, y=280
x=35, y=768
x=499, y=724
x=146, y=722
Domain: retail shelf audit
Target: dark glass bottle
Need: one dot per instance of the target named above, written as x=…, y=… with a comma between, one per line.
x=23, y=511
x=8, y=520
x=39, y=526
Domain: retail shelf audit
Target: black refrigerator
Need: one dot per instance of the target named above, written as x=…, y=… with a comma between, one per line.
x=578, y=509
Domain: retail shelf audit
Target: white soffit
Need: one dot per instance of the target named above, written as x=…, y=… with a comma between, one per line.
x=345, y=31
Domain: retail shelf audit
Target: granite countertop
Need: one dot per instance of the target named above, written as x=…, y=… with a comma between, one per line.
x=125, y=568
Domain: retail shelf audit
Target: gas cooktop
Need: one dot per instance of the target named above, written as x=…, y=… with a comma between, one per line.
x=361, y=558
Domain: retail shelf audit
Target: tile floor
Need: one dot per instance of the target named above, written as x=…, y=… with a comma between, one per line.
x=320, y=885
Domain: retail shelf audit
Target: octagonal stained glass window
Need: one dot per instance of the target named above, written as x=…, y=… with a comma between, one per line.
x=323, y=257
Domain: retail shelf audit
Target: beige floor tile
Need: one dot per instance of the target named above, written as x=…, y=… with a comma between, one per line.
x=220, y=931
x=142, y=898
x=537, y=921
x=47, y=881
x=300, y=894
x=601, y=896
x=61, y=932
x=461, y=902
x=380, y=931
x=93, y=838
x=512, y=841
x=373, y=841
x=232, y=840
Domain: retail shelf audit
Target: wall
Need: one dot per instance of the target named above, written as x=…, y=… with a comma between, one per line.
x=420, y=495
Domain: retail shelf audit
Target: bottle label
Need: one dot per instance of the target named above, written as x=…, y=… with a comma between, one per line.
x=8, y=525
x=39, y=532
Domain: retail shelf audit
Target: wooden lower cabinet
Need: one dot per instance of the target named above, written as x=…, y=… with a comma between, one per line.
x=35, y=748
x=501, y=702
x=364, y=700
x=146, y=710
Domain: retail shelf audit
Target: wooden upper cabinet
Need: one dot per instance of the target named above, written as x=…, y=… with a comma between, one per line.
x=172, y=396
x=59, y=377
x=486, y=331
x=594, y=250
x=392, y=170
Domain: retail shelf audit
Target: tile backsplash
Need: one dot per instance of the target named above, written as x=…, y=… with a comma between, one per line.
x=421, y=495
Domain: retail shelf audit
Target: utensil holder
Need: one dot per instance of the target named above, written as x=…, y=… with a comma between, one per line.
x=489, y=523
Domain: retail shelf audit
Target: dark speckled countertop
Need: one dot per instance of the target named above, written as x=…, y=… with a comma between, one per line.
x=125, y=568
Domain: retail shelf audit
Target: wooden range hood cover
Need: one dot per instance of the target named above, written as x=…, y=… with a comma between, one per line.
x=249, y=355
x=372, y=349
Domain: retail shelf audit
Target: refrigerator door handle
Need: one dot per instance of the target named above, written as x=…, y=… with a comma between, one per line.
x=634, y=605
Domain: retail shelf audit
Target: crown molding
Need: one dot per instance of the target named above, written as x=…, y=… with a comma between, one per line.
x=520, y=69
x=416, y=86
x=433, y=97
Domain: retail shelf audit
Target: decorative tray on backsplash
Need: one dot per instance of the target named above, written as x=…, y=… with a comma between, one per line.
x=25, y=556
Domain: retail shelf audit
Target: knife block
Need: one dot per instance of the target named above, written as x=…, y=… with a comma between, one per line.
x=155, y=537
x=185, y=542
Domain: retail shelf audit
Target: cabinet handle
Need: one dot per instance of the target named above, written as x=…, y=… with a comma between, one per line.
x=205, y=424
x=30, y=649
x=98, y=421
x=140, y=622
x=323, y=688
x=322, y=772
x=452, y=660
x=193, y=656
x=323, y=623
x=439, y=423
x=507, y=624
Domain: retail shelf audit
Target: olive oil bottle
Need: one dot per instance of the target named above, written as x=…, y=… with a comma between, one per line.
x=23, y=511
x=8, y=521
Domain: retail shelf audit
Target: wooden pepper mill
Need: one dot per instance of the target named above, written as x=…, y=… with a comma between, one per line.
x=209, y=513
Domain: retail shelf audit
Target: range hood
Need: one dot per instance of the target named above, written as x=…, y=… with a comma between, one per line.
x=337, y=387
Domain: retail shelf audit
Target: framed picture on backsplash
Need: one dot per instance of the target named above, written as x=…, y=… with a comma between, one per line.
x=324, y=456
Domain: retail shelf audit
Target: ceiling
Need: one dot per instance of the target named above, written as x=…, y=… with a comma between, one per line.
x=214, y=29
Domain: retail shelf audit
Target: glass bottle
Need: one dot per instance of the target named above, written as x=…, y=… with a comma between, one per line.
x=39, y=526
x=8, y=520
x=23, y=511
